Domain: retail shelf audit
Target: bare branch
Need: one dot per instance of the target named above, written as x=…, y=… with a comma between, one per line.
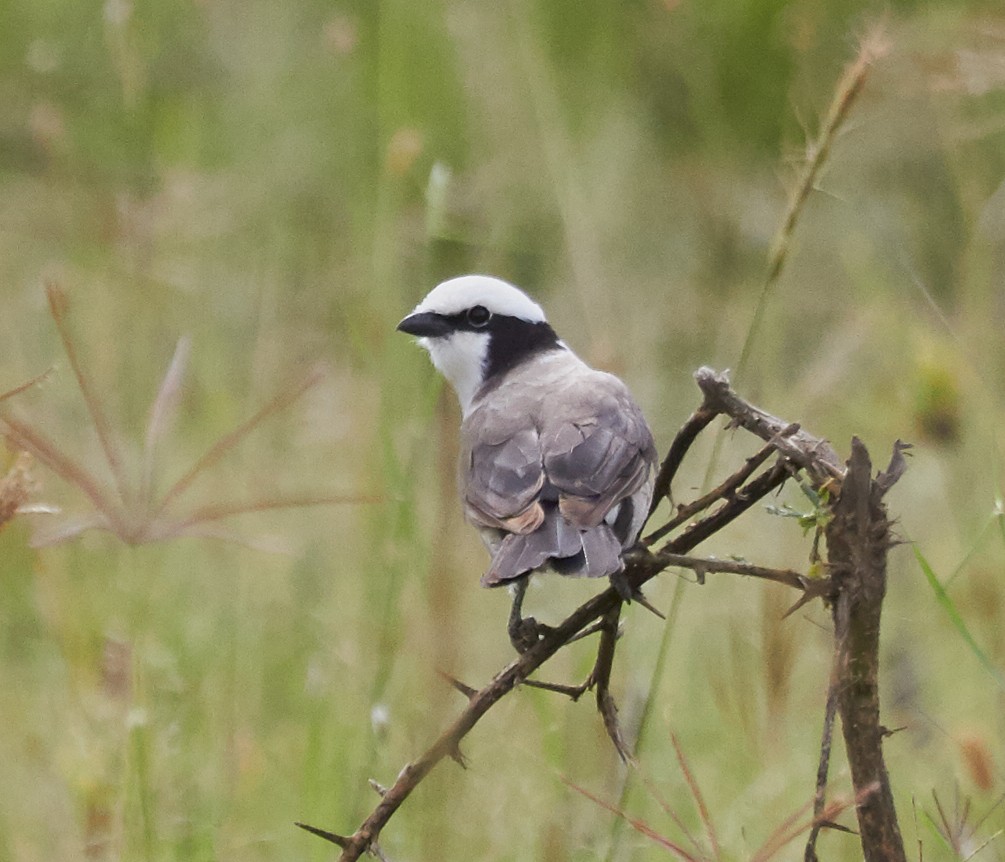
x=601, y=676
x=813, y=454
x=695, y=424
x=857, y=541
x=823, y=765
x=721, y=492
x=755, y=490
x=705, y=565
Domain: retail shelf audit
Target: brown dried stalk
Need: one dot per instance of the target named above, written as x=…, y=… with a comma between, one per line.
x=15, y=488
x=129, y=510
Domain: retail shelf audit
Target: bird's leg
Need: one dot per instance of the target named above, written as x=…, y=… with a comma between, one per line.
x=524, y=632
x=620, y=583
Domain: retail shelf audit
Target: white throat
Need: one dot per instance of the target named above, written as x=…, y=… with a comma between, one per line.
x=460, y=358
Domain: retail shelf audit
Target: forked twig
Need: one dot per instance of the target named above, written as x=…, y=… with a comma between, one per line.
x=720, y=492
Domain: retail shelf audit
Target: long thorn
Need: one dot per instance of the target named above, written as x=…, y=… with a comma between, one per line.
x=341, y=840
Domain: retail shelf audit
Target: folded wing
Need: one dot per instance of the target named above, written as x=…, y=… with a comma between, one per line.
x=558, y=490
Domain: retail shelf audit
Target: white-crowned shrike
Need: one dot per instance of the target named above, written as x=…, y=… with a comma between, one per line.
x=557, y=460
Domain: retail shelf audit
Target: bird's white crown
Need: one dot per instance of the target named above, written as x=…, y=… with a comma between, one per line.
x=459, y=294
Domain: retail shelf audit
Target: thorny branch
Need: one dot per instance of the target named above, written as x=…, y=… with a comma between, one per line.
x=793, y=449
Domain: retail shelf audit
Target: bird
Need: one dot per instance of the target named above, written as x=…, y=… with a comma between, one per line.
x=557, y=461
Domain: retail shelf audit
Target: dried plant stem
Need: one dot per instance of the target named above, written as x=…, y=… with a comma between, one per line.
x=823, y=764
x=57, y=307
x=848, y=88
x=26, y=437
x=858, y=538
x=15, y=487
x=17, y=390
x=161, y=411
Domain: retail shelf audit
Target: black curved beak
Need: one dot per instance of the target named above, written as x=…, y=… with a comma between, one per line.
x=425, y=324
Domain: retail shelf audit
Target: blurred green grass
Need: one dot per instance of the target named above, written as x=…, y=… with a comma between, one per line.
x=283, y=182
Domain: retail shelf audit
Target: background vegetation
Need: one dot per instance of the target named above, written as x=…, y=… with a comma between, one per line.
x=282, y=182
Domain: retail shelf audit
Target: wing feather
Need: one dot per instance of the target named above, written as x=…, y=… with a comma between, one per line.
x=548, y=457
x=504, y=481
x=597, y=462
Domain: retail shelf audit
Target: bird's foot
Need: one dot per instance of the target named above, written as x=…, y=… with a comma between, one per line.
x=526, y=632
x=624, y=588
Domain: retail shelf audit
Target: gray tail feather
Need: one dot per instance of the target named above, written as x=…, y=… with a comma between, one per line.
x=592, y=553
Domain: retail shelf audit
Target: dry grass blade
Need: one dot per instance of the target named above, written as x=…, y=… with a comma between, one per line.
x=219, y=511
x=699, y=800
x=68, y=529
x=994, y=807
x=984, y=844
x=872, y=48
x=161, y=411
x=791, y=828
x=226, y=443
x=57, y=306
x=260, y=544
x=17, y=390
x=668, y=809
x=638, y=825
